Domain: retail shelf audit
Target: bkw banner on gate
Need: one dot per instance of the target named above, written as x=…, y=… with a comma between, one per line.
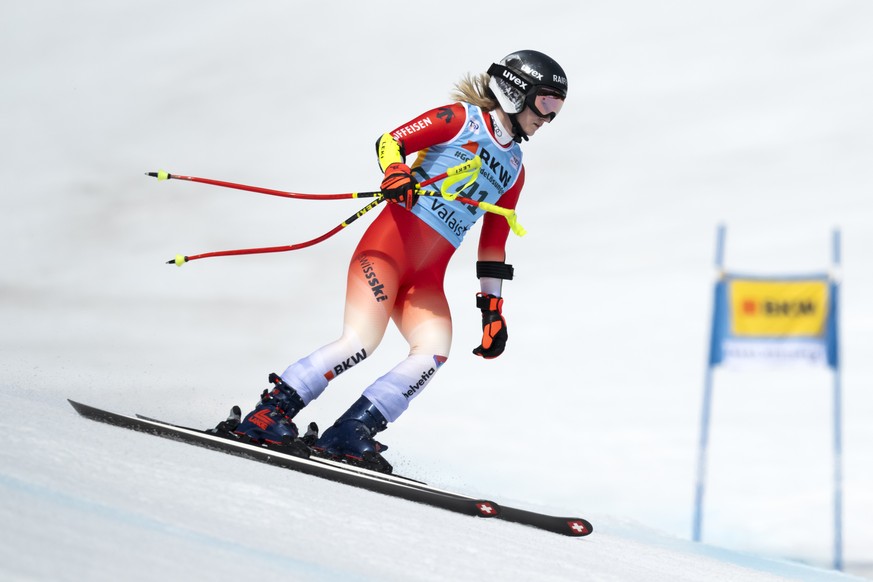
x=774, y=321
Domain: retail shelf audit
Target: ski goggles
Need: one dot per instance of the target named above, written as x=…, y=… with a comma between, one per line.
x=545, y=103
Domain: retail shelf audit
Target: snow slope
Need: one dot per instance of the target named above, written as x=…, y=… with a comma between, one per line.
x=682, y=115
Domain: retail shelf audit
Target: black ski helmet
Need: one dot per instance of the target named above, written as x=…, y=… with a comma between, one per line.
x=517, y=78
x=520, y=78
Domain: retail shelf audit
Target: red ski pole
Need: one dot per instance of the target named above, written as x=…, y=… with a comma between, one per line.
x=468, y=170
x=162, y=175
x=182, y=259
x=461, y=170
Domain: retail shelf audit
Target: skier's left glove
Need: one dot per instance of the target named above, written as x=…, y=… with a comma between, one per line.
x=494, y=333
x=399, y=185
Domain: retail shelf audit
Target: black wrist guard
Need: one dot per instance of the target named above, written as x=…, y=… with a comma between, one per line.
x=489, y=303
x=494, y=269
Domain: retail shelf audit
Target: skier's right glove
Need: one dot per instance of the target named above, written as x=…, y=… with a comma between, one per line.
x=494, y=333
x=399, y=185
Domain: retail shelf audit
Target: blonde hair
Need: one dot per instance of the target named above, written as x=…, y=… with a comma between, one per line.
x=474, y=89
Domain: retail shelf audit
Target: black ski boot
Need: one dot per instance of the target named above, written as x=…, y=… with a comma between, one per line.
x=350, y=439
x=270, y=422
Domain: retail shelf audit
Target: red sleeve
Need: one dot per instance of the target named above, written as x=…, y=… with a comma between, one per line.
x=436, y=126
x=495, y=228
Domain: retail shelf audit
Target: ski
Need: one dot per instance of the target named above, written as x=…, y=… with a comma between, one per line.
x=569, y=526
x=297, y=459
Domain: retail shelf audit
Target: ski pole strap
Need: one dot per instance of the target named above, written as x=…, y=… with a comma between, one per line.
x=507, y=213
x=467, y=171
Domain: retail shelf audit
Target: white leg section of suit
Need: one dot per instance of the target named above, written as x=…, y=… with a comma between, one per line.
x=392, y=392
x=308, y=376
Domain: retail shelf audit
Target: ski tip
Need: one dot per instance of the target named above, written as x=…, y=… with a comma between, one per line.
x=578, y=527
x=82, y=409
x=160, y=175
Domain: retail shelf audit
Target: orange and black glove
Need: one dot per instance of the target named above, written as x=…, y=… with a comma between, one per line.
x=494, y=333
x=399, y=185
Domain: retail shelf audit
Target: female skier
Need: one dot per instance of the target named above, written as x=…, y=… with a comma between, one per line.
x=398, y=267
